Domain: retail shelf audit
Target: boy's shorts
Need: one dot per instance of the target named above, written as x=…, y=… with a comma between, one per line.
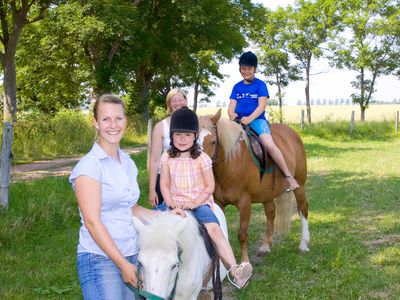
x=204, y=214
x=261, y=126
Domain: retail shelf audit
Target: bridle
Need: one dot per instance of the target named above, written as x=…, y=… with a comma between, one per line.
x=216, y=149
x=143, y=294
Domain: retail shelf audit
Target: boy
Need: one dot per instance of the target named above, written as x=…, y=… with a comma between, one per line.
x=248, y=101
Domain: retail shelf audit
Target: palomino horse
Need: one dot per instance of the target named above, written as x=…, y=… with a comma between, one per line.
x=237, y=179
x=173, y=258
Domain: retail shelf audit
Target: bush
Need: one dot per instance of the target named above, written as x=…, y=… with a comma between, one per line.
x=69, y=132
x=340, y=130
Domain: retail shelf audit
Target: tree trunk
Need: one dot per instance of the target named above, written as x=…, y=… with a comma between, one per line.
x=307, y=91
x=278, y=81
x=196, y=95
x=141, y=105
x=362, y=98
x=362, y=108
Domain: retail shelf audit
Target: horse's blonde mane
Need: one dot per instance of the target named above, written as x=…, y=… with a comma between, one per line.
x=229, y=134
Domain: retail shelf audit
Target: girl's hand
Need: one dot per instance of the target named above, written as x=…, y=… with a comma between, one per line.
x=179, y=212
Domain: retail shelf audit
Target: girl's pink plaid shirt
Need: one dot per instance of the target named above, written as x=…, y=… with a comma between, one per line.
x=186, y=177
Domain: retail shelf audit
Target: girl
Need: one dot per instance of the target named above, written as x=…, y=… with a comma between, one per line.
x=187, y=182
x=160, y=143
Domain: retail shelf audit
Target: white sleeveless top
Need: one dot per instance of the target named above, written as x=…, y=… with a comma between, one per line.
x=166, y=142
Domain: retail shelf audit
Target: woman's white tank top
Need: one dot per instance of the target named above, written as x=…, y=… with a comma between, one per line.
x=166, y=138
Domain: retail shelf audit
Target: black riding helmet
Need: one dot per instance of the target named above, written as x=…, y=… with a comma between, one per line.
x=248, y=59
x=184, y=120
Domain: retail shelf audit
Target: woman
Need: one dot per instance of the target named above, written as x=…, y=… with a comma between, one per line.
x=106, y=188
x=160, y=142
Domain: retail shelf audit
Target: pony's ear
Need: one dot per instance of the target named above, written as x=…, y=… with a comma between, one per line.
x=216, y=117
x=139, y=226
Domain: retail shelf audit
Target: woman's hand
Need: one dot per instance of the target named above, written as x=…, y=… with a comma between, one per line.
x=153, y=198
x=129, y=274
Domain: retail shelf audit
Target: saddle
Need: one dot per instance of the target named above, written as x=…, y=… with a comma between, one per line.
x=260, y=156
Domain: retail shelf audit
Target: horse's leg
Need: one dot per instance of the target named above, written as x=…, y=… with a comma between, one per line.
x=302, y=207
x=269, y=210
x=244, y=207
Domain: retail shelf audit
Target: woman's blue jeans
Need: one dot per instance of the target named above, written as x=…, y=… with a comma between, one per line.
x=101, y=279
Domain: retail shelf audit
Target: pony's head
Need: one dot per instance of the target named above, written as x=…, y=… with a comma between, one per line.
x=166, y=244
x=220, y=136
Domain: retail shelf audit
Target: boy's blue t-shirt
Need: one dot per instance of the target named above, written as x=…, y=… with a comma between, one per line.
x=247, y=96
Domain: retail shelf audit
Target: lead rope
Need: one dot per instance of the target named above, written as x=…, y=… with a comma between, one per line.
x=216, y=278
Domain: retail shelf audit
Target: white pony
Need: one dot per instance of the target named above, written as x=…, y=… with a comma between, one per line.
x=173, y=257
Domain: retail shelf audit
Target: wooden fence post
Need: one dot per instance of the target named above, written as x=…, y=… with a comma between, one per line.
x=397, y=121
x=6, y=156
x=149, y=131
x=302, y=120
x=352, y=122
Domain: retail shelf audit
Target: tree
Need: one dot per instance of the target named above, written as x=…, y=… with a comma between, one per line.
x=310, y=24
x=269, y=34
x=14, y=16
x=370, y=46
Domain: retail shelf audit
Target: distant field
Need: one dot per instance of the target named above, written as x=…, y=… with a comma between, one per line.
x=292, y=114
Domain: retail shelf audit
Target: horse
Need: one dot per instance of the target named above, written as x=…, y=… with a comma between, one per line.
x=238, y=182
x=174, y=260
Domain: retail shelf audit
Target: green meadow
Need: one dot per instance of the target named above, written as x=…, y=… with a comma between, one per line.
x=353, y=191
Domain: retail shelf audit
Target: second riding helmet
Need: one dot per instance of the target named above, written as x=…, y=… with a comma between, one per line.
x=248, y=59
x=184, y=120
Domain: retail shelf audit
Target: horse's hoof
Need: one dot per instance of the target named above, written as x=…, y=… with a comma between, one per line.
x=304, y=249
x=263, y=253
x=264, y=250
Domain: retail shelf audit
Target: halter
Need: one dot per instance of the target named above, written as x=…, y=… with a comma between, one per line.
x=150, y=296
x=216, y=149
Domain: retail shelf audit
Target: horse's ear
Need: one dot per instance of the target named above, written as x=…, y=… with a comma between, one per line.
x=216, y=117
x=139, y=226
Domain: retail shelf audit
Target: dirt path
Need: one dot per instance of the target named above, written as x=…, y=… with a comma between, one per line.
x=55, y=167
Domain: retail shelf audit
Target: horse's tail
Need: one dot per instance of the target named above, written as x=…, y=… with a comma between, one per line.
x=283, y=214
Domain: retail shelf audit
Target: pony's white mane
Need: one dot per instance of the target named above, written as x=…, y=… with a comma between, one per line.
x=229, y=134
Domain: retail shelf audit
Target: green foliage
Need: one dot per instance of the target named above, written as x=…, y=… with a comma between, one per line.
x=66, y=133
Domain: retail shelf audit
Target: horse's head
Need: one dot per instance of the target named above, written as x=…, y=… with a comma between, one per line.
x=208, y=136
x=220, y=137
x=160, y=254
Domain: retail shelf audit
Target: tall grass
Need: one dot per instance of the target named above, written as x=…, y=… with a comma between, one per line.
x=67, y=133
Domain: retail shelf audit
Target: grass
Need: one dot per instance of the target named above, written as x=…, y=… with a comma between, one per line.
x=353, y=191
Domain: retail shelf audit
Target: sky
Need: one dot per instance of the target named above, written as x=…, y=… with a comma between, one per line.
x=328, y=83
